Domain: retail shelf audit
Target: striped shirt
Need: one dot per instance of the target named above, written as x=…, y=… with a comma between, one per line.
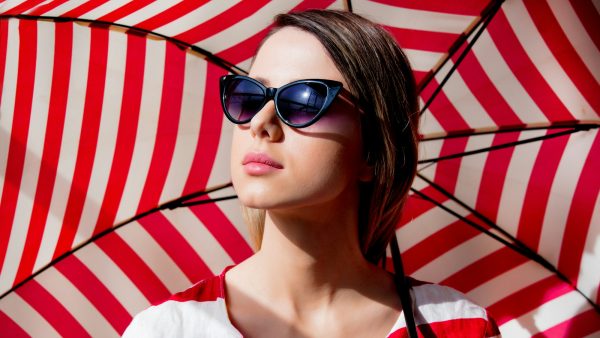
x=200, y=311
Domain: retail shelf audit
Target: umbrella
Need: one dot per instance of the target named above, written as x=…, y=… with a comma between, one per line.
x=108, y=115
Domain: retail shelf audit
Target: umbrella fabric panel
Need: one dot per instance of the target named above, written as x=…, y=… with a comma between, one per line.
x=99, y=288
x=97, y=125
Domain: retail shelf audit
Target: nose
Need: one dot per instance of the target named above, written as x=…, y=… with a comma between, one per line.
x=266, y=124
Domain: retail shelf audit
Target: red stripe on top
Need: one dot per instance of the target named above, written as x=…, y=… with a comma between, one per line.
x=19, y=131
x=97, y=293
x=43, y=9
x=525, y=70
x=3, y=50
x=446, y=171
x=51, y=310
x=468, y=7
x=125, y=10
x=88, y=139
x=23, y=7
x=126, y=132
x=438, y=42
x=485, y=269
x=540, y=183
x=57, y=109
x=580, y=214
x=133, y=266
x=494, y=176
x=581, y=325
x=221, y=21
x=176, y=246
x=10, y=328
x=207, y=290
x=171, y=14
x=564, y=52
x=528, y=298
x=224, y=232
x=590, y=19
x=453, y=328
x=83, y=8
x=167, y=129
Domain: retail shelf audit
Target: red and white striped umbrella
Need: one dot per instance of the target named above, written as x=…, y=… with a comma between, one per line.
x=109, y=110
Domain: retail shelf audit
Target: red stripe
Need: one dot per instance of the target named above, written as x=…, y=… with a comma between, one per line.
x=19, y=132
x=590, y=19
x=224, y=232
x=51, y=309
x=581, y=325
x=87, y=140
x=526, y=71
x=176, y=246
x=97, y=293
x=564, y=52
x=133, y=266
x=528, y=298
x=43, y=9
x=438, y=244
x=23, y=7
x=57, y=108
x=125, y=10
x=168, y=123
x=3, y=50
x=171, y=14
x=452, y=328
x=209, y=134
x=443, y=110
x=446, y=171
x=540, y=183
x=494, y=175
x=484, y=269
x=126, y=132
x=84, y=8
x=10, y=328
x=416, y=206
x=221, y=21
x=580, y=214
x=438, y=42
x=468, y=7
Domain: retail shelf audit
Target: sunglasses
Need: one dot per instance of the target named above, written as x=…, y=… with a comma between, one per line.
x=298, y=104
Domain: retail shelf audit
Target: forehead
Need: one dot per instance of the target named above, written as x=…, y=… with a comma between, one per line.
x=292, y=54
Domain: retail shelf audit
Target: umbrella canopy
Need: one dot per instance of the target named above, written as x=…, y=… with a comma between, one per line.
x=110, y=110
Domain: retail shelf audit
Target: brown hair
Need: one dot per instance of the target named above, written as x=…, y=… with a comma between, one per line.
x=380, y=77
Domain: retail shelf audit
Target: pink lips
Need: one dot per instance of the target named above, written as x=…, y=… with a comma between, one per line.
x=259, y=164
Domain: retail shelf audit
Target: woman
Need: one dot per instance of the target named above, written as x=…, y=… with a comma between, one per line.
x=323, y=155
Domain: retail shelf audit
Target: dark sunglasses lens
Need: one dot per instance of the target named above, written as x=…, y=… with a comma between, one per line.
x=299, y=104
x=243, y=99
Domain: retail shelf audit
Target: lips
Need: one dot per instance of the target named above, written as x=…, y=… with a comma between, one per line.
x=260, y=163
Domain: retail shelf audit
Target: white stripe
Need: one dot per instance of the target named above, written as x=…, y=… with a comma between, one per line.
x=413, y=18
x=471, y=170
x=247, y=27
x=26, y=317
x=154, y=256
x=107, y=135
x=192, y=103
x=506, y=82
x=69, y=143
x=146, y=130
x=542, y=57
x=440, y=303
x=199, y=238
x=147, y=12
x=577, y=35
x=111, y=276
x=196, y=17
x=9, y=4
x=597, y=5
x=232, y=208
x=33, y=150
x=458, y=258
x=561, y=195
x=589, y=273
x=64, y=7
x=421, y=60
x=43, y=3
x=105, y=8
x=75, y=303
x=508, y=283
x=220, y=171
x=516, y=181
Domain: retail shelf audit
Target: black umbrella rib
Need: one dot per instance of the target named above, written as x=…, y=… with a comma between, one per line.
x=506, y=145
x=514, y=243
x=136, y=30
x=488, y=15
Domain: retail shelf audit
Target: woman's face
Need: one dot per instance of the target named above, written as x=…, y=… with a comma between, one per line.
x=304, y=167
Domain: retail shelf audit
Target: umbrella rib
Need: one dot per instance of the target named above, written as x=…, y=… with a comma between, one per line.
x=505, y=145
x=491, y=12
x=516, y=244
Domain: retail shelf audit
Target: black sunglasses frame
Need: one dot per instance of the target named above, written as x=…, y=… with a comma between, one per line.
x=333, y=89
